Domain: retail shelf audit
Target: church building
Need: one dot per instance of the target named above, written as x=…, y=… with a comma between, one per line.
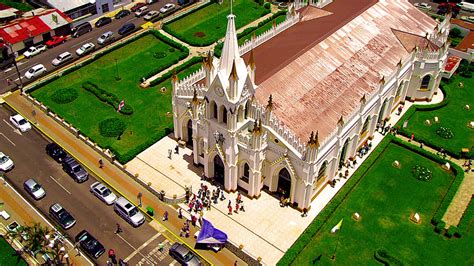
x=287, y=114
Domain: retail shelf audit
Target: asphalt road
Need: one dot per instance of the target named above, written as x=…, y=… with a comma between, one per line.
x=71, y=45
x=138, y=245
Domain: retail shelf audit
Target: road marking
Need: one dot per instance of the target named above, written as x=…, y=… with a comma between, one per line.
x=8, y=139
x=130, y=20
x=60, y=185
x=8, y=69
x=142, y=246
x=134, y=249
x=10, y=125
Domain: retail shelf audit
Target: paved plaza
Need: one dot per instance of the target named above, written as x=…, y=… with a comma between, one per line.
x=265, y=229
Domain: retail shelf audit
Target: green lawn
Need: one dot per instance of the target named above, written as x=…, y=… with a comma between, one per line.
x=17, y=4
x=385, y=197
x=8, y=255
x=452, y=116
x=149, y=121
x=207, y=25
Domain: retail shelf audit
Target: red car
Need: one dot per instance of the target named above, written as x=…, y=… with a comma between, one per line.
x=56, y=40
x=137, y=6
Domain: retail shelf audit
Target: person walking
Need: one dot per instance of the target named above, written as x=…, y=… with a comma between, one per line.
x=101, y=163
x=237, y=208
x=242, y=207
x=165, y=216
x=118, y=230
x=180, y=213
x=230, y=210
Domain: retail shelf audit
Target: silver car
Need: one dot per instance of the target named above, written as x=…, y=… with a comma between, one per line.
x=34, y=189
x=103, y=193
x=62, y=58
x=105, y=38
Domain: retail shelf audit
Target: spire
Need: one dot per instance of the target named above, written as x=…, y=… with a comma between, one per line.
x=251, y=60
x=208, y=60
x=363, y=100
x=195, y=98
x=270, y=103
x=230, y=51
x=174, y=77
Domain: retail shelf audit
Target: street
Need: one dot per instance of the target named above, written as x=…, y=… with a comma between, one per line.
x=137, y=245
x=71, y=45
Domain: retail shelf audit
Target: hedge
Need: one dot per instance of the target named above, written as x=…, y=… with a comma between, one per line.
x=107, y=97
x=184, y=53
x=335, y=202
x=464, y=224
x=199, y=8
x=382, y=256
x=177, y=69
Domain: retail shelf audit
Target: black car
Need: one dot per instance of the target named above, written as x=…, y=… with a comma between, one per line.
x=126, y=29
x=61, y=216
x=56, y=152
x=122, y=14
x=89, y=244
x=75, y=170
x=103, y=21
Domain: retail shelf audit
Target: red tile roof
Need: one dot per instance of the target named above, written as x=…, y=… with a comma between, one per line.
x=319, y=69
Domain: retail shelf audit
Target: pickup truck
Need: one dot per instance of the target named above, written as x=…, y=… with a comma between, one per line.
x=34, y=50
x=56, y=40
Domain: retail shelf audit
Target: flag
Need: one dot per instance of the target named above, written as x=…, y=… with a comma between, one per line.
x=121, y=105
x=337, y=227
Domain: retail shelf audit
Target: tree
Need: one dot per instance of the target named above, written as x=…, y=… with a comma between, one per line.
x=455, y=33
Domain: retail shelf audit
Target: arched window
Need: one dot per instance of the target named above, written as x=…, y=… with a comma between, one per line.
x=214, y=110
x=425, y=82
x=224, y=115
x=365, y=127
x=246, y=173
x=247, y=108
x=322, y=170
x=399, y=91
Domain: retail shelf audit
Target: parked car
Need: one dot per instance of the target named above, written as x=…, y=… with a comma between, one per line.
x=34, y=50
x=122, y=14
x=126, y=29
x=183, y=255
x=166, y=8
x=61, y=216
x=56, y=40
x=90, y=244
x=35, y=71
x=85, y=49
x=81, y=29
x=425, y=6
x=137, y=6
x=75, y=170
x=62, y=58
x=56, y=152
x=102, y=21
x=20, y=122
x=141, y=11
x=149, y=2
x=6, y=164
x=129, y=212
x=151, y=15
x=468, y=18
x=105, y=38
x=103, y=193
x=34, y=189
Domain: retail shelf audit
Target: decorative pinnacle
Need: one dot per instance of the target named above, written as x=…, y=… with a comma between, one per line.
x=270, y=103
x=257, y=127
x=363, y=100
x=251, y=60
x=382, y=80
x=313, y=140
x=195, y=98
x=341, y=121
x=174, y=78
x=208, y=60
x=399, y=63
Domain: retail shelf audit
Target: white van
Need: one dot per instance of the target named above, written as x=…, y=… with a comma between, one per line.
x=466, y=6
x=129, y=212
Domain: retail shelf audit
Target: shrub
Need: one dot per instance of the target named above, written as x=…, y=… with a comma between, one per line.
x=451, y=231
x=383, y=257
x=64, y=95
x=440, y=227
x=112, y=127
x=445, y=132
x=267, y=5
x=421, y=173
x=260, y=2
x=107, y=97
x=455, y=33
x=171, y=50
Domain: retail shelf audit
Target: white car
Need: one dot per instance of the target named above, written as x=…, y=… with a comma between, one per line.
x=105, y=38
x=468, y=18
x=20, y=122
x=62, y=58
x=141, y=11
x=166, y=8
x=425, y=6
x=103, y=193
x=85, y=49
x=34, y=189
x=35, y=71
x=6, y=164
x=34, y=50
x=151, y=15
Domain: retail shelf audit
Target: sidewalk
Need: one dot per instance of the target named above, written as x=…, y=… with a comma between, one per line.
x=24, y=214
x=113, y=176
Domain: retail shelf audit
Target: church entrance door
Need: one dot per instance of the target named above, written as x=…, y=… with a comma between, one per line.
x=219, y=170
x=284, y=183
x=189, y=141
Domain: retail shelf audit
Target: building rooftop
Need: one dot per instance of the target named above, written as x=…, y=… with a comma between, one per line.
x=66, y=5
x=319, y=69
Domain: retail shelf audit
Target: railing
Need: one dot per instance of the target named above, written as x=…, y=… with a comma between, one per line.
x=193, y=78
x=188, y=91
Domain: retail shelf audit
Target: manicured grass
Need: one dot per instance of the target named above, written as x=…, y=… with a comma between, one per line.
x=262, y=29
x=452, y=116
x=17, y=4
x=207, y=25
x=149, y=121
x=385, y=197
x=8, y=255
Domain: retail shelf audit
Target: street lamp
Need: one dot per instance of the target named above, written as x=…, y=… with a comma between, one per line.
x=9, y=45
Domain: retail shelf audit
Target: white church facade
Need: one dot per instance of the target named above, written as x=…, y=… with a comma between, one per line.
x=289, y=130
